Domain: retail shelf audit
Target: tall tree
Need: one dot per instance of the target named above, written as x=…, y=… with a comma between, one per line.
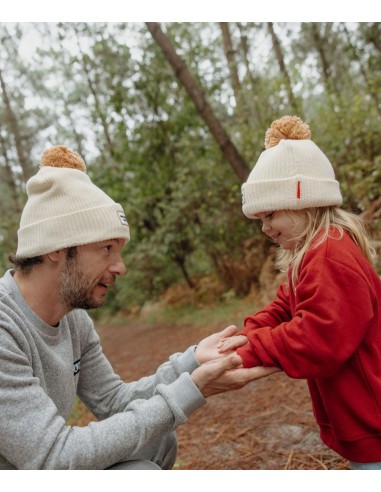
x=283, y=68
x=253, y=80
x=364, y=70
x=230, y=56
x=205, y=110
x=242, y=110
x=9, y=177
x=15, y=131
x=182, y=200
x=100, y=111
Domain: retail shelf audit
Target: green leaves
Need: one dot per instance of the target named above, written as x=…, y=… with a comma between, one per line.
x=107, y=91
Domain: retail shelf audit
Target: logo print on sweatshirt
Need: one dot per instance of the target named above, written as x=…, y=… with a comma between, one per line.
x=77, y=366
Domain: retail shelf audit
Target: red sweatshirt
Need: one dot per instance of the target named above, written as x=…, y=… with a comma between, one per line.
x=329, y=332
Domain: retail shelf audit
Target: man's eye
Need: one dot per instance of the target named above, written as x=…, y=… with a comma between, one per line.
x=269, y=216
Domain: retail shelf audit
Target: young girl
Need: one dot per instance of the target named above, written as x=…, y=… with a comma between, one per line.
x=325, y=324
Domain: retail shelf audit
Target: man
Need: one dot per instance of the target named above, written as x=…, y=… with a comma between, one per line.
x=69, y=254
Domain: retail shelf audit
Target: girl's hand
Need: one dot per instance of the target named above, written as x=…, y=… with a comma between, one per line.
x=231, y=343
x=208, y=350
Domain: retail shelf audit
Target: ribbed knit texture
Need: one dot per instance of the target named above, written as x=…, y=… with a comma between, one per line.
x=293, y=175
x=43, y=368
x=65, y=208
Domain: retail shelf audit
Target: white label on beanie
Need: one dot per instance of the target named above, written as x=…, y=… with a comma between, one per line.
x=122, y=218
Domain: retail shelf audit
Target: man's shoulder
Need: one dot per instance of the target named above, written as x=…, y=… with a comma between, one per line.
x=79, y=316
x=5, y=280
x=8, y=304
x=80, y=324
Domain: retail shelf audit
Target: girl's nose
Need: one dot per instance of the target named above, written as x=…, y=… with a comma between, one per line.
x=265, y=227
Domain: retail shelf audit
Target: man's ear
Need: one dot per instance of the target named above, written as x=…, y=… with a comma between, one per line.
x=55, y=256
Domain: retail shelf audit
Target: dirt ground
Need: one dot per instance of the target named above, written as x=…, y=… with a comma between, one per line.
x=266, y=425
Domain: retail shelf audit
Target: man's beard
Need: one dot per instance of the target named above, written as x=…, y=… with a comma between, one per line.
x=76, y=288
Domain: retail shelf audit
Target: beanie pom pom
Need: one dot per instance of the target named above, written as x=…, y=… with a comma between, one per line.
x=61, y=156
x=286, y=128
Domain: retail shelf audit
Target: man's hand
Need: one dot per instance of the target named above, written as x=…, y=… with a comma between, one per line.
x=226, y=374
x=208, y=348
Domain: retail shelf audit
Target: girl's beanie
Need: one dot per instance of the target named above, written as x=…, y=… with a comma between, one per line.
x=291, y=174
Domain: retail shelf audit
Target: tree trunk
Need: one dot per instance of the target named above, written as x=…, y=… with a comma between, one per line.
x=15, y=130
x=283, y=69
x=373, y=34
x=9, y=177
x=77, y=137
x=253, y=82
x=355, y=56
x=230, y=56
x=100, y=113
x=185, y=77
x=241, y=113
x=180, y=261
x=320, y=48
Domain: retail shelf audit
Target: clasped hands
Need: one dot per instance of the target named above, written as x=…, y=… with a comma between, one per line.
x=221, y=368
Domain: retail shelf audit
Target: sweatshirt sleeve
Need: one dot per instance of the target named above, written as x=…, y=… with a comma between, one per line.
x=332, y=312
x=34, y=436
x=272, y=315
x=106, y=394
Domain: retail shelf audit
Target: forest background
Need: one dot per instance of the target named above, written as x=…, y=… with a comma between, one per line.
x=170, y=118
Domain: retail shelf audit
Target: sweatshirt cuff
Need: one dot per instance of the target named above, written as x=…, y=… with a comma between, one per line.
x=186, y=361
x=185, y=393
x=248, y=356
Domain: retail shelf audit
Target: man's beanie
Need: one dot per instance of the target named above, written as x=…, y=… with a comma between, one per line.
x=291, y=174
x=65, y=208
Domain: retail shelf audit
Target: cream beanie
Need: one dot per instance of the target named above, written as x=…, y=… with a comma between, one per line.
x=291, y=174
x=65, y=208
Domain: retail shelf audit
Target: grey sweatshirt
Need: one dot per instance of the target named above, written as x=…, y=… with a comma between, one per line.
x=43, y=368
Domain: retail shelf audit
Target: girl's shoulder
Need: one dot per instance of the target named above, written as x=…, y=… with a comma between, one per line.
x=337, y=246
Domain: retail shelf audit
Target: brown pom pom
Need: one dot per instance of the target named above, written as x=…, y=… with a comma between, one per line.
x=61, y=156
x=286, y=128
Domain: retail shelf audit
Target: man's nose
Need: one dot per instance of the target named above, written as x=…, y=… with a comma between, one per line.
x=118, y=267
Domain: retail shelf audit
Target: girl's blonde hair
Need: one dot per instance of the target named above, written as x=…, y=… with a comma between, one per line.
x=318, y=228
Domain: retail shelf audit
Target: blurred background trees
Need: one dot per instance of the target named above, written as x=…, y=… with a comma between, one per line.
x=144, y=125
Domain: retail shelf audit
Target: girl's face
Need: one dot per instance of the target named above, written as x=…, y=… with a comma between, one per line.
x=283, y=226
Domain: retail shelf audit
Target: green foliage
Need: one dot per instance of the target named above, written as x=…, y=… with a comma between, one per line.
x=107, y=91
x=359, y=175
